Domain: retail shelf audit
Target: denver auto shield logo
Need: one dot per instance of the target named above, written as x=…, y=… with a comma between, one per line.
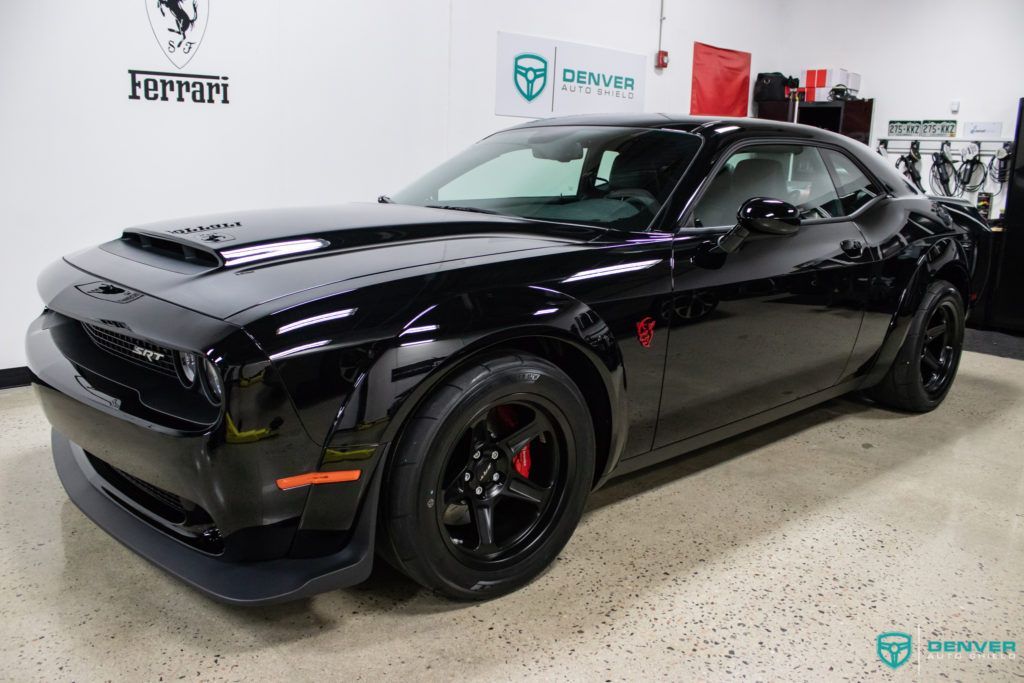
x=179, y=26
x=893, y=648
x=530, y=74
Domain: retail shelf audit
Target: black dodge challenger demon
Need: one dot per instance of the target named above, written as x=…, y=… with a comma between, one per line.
x=260, y=402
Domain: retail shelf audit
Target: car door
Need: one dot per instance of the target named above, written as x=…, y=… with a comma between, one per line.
x=775, y=320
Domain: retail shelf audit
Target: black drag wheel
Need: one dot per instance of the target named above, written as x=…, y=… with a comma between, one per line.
x=926, y=364
x=489, y=478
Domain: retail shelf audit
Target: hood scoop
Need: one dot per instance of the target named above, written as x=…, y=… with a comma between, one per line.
x=191, y=252
x=169, y=247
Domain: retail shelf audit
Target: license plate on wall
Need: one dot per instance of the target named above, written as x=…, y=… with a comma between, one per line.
x=922, y=129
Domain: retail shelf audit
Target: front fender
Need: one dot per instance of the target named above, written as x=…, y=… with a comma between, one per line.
x=439, y=336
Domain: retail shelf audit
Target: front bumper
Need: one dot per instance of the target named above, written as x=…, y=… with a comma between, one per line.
x=239, y=583
x=186, y=482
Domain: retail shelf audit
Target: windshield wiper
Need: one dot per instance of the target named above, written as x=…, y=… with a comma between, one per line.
x=462, y=208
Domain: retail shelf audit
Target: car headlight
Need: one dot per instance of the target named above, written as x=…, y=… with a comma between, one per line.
x=214, y=384
x=188, y=368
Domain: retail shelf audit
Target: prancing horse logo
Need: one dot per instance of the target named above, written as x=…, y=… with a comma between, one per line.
x=108, y=292
x=179, y=26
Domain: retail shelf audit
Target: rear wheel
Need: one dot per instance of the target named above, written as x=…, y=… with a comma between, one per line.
x=926, y=364
x=489, y=478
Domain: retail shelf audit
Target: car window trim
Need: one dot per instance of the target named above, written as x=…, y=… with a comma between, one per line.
x=687, y=213
x=835, y=178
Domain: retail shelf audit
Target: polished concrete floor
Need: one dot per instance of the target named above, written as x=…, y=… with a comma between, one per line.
x=780, y=555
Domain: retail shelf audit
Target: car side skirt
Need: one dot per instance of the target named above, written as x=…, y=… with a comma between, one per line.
x=732, y=429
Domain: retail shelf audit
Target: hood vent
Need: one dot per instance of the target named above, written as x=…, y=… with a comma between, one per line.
x=171, y=248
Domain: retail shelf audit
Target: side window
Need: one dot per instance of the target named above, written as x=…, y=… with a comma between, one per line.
x=604, y=169
x=792, y=173
x=855, y=189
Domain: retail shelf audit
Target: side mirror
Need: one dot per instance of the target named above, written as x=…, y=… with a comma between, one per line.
x=761, y=216
x=769, y=216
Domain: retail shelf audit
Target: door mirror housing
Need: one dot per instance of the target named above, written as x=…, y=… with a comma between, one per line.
x=769, y=216
x=761, y=216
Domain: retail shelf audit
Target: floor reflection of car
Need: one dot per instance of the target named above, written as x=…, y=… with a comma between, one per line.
x=442, y=377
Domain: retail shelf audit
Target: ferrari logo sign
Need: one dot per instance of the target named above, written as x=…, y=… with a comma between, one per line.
x=531, y=75
x=179, y=26
x=893, y=648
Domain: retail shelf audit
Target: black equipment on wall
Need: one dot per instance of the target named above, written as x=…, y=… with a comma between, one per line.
x=910, y=164
x=999, y=166
x=971, y=174
x=943, y=176
x=1005, y=309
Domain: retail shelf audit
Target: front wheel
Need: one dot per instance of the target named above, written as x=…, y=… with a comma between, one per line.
x=926, y=364
x=489, y=478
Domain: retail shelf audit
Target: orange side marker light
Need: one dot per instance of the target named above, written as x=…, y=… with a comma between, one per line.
x=309, y=478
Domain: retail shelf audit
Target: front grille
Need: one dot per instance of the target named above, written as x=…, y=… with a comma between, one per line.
x=138, y=351
x=179, y=516
x=172, y=501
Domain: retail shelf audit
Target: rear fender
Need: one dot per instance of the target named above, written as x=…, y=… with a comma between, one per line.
x=945, y=259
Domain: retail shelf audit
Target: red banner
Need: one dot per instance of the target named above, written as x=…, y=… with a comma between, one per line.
x=721, y=82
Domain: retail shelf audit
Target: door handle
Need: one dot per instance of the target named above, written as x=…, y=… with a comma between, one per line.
x=852, y=247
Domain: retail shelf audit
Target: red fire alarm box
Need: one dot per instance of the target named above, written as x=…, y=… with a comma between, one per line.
x=661, y=60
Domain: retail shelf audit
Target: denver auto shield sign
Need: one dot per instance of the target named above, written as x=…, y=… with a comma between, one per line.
x=538, y=77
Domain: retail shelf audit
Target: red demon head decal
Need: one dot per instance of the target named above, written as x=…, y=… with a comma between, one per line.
x=645, y=331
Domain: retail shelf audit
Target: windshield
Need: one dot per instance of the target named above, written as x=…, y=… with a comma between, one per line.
x=613, y=177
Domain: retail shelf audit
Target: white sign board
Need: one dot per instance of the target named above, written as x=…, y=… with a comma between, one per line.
x=538, y=77
x=983, y=129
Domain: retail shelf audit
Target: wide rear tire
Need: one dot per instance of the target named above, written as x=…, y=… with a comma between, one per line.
x=926, y=365
x=489, y=478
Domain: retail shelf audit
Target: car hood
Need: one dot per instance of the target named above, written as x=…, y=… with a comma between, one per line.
x=223, y=264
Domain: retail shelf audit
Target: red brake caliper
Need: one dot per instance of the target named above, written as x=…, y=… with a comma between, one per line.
x=521, y=461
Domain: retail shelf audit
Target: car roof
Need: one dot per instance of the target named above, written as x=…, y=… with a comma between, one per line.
x=722, y=132
x=699, y=125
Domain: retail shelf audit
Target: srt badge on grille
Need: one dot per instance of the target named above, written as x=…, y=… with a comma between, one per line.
x=148, y=354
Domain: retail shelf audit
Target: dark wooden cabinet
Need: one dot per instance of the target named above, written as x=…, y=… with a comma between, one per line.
x=784, y=110
x=850, y=118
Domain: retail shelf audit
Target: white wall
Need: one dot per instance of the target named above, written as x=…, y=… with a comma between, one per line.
x=330, y=102
x=629, y=26
x=916, y=56
x=340, y=101
x=327, y=105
